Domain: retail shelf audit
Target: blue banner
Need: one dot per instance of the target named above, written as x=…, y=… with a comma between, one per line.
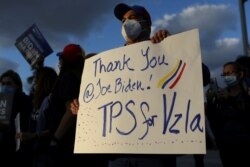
x=33, y=46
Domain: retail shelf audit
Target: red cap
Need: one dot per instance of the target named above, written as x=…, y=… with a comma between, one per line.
x=72, y=52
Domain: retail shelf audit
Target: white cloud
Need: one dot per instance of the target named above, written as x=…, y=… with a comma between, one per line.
x=213, y=21
x=225, y=50
x=228, y=42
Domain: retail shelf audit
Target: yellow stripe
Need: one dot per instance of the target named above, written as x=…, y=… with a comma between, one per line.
x=161, y=81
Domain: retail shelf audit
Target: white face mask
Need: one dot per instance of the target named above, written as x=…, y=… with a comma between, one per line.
x=131, y=29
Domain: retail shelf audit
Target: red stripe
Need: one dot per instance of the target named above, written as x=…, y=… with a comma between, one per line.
x=179, y=76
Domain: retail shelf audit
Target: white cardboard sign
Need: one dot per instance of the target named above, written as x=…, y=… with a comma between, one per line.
x=143, y=99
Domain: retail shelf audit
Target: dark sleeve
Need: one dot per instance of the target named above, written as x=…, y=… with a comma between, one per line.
x=212, y=114
x=25, y=108
x=68, y=87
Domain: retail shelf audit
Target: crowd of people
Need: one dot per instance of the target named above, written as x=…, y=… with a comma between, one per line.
x=47, y=116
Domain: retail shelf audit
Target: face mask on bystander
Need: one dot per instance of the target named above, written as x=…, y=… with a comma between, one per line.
x=230, y=80
x=7, y=89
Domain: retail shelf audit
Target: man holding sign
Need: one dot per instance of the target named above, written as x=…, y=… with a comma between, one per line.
x=143, y=101
x=136, y=27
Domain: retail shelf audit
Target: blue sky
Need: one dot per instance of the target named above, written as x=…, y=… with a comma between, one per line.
x=91, y=24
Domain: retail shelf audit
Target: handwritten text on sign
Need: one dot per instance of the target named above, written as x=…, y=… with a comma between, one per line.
x=143, y=98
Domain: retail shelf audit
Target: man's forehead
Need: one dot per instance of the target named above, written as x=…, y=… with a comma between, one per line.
x=130, y=13
x=229, y=67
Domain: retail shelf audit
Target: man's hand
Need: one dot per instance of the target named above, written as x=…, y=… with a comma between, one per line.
x=159, y=36
x=73, y=106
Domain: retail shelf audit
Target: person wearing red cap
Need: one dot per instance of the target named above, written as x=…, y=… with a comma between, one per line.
x=72, y=54
x=62, y=125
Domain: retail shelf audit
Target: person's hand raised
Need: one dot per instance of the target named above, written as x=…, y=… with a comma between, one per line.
x=73, y=106
x=159, y=36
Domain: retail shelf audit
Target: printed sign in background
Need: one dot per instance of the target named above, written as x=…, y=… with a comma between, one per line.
x=143, y=98
x=33, y=46
x=6, y=100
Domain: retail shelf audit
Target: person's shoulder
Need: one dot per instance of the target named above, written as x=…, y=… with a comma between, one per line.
x=22, y=95
x=68, y=77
